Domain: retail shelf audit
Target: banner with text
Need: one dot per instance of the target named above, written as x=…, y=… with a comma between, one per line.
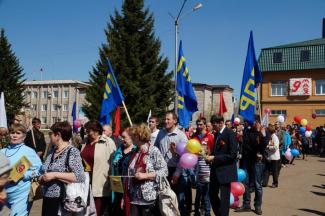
x=300, y=86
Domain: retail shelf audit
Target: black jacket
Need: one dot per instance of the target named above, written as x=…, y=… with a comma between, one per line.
x=39, y=140
x=225, y=150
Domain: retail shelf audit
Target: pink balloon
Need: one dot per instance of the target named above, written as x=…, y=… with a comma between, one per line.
x=267, y=110
x=188, y=160
x=288, y=155
x=181, y=148
x=237, y=188
x=77, y=123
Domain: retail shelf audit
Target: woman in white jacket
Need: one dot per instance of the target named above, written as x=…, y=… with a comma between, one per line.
x=274, y=156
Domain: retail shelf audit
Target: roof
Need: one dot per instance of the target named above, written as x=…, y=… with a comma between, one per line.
x=212, y=87
x=55, y=82
x=291, y=55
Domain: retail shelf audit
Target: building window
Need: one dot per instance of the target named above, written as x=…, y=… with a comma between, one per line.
x=279, y=112
x=54, y=107
x=65, y=107
x=44, y=107
x=65, y=118
x=34, y=106
x=277, y=57
x=320, y=112
x=320, y=87
x=45, y=94
x=279, y=88
x=34, y=94
x=55, y=94
x=305, y=55
x=66, y=94
x=54, y=119
x=43, y=119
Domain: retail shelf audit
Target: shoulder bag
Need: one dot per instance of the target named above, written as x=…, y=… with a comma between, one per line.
x=167, y=199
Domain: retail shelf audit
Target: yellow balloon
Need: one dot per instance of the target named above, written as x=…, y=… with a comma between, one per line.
x=303, y=122
x=193, y=146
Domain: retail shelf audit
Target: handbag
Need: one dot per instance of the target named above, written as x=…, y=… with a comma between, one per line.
x=75, y=194
x=167, y=200
x=36, y=191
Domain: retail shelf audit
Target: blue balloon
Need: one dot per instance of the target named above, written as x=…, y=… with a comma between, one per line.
x=294, y=152
x=232, y=199
x=302, y=130
x=241, y=175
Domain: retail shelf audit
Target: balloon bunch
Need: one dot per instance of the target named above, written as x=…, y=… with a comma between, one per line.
x=305, y=129
x=237, y=189
x=290, y=153
x=189, y=153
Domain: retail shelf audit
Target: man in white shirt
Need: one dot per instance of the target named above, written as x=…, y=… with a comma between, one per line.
x=153, y=123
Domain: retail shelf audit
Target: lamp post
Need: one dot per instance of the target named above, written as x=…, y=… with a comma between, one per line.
x=176, y=23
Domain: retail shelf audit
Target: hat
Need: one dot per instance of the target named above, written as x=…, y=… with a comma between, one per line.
x=4, y=164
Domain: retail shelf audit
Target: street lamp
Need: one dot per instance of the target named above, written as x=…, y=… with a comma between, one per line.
x=176, y=22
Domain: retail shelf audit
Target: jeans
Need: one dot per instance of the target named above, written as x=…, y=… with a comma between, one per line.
x=254, y=172
x=202, y=193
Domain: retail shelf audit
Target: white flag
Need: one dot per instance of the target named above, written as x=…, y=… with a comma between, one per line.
x=149, y=115
x=265, y=120
x=3, y=116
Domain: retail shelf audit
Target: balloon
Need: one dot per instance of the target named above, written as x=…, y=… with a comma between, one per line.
x=188, y=160
x=181, y=148
x=297, y=119
x=303, y=122
x=237, y=188
x=77, y=123
x=308, y=127
x=193, y=146
x=294, y=152
x=241, y=175
x=235, y=205
x=302, y=130
x=288, y=155
x=267, y=110
x=232, y=199
x=280, y=119
x=237, y=120
x=308, y=133
x=314, y=115
x=236, y=123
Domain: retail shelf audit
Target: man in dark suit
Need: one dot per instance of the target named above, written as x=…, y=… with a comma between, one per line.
x=35, y=138
x=223, y=166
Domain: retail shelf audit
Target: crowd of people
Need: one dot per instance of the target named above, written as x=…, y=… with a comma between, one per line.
x=142, y=155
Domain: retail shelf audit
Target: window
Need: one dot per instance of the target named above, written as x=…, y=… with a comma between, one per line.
x=66, y=94
x=65, y=118
x=279, y=88
x=34, y=106
x=34, y=94
x=43, y=119
x=44, y=107
x=65, y=107
x=54, y=107
x=55, y=94
x=54, y=119
x=277, y=57
x=279, y=112
x=44, y=95
x=320, y=87
x=320, y=112
x=305, y=55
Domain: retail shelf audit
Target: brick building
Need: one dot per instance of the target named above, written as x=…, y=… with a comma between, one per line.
x=294, y=80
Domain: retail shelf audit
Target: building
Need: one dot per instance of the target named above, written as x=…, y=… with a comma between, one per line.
x=208, y=97
x=294, y=80
x=52, y=100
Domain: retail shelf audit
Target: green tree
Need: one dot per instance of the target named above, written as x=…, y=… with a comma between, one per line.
x=11, y=78
x=141, y=71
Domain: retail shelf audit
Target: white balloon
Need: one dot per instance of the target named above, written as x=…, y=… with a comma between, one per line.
x=308, y=133
x=280, y=118
x=237, y=120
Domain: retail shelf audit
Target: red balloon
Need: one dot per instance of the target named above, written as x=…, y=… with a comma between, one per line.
x=309, y=127
x=267, y=110
x=314, y=115
x=237, y=188
x=297, y=119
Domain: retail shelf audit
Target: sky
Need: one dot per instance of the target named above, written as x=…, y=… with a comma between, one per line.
x=63, y=36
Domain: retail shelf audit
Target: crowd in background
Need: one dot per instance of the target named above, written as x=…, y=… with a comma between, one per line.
x=143, y=155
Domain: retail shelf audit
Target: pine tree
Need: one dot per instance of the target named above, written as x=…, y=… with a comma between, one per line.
x=11, y=78
x=133, y=50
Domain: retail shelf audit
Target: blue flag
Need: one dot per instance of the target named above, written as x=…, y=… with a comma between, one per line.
x=74, y=117
x=112, y=97
x=187, y=103
x=251, y=78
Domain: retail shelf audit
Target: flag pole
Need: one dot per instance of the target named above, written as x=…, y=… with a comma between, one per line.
x=259, y=101
x=127, y=113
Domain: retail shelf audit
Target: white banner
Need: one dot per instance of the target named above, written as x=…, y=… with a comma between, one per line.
x=300, y=86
